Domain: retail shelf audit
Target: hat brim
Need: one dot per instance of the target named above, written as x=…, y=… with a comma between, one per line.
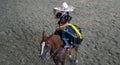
x=69, y=9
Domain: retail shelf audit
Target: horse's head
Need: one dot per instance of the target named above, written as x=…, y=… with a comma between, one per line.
x=45, y=47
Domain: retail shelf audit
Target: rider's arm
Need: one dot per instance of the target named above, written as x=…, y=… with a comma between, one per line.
x=61, y=27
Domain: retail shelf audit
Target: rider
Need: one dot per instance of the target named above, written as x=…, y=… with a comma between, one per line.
x=64, y=19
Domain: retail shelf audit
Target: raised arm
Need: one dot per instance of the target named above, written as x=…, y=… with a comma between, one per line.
x=54, y=12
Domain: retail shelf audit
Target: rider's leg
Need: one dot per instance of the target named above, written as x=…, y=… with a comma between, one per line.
x=64, y=38
x=71, y=32
x=66, y=43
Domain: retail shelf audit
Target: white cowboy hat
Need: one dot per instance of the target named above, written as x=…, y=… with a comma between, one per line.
x=65, y=7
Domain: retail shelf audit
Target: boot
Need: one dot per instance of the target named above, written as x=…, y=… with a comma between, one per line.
x=66, y=43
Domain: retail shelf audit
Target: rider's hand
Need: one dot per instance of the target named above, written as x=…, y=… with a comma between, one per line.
x=58, y=28
x=75, y=36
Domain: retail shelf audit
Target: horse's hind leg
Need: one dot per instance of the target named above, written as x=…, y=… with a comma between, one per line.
x=70, y=56
x=76, y=54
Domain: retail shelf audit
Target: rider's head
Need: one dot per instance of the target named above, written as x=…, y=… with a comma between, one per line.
x=64, y=9
x=62, y=20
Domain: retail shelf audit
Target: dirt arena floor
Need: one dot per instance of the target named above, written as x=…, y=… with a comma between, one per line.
x=22, y=23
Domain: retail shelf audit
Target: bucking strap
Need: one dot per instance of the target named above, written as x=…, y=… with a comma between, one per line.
x=76, y=30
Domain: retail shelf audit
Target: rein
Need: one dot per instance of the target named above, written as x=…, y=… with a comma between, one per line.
x=49, y=57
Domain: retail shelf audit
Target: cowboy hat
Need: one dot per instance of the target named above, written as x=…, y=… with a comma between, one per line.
x=65, y=7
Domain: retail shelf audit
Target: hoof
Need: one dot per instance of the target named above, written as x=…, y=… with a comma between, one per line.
x=76, y=61
x=70, y=56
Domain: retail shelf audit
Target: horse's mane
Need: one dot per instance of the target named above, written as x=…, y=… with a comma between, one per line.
x=50, y=36
x=55, y=33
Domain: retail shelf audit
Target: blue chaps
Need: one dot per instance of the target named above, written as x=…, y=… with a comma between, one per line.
x=67, y=36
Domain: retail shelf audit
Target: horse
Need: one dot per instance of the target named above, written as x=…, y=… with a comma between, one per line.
x=53, y=45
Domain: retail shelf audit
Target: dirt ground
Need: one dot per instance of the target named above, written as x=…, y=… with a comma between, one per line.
x=22, y=23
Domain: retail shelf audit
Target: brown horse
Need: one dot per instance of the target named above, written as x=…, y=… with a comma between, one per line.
x=53, y=45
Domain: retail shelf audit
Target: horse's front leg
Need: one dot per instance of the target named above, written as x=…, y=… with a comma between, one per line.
x=63, y=63
x=56, y=61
